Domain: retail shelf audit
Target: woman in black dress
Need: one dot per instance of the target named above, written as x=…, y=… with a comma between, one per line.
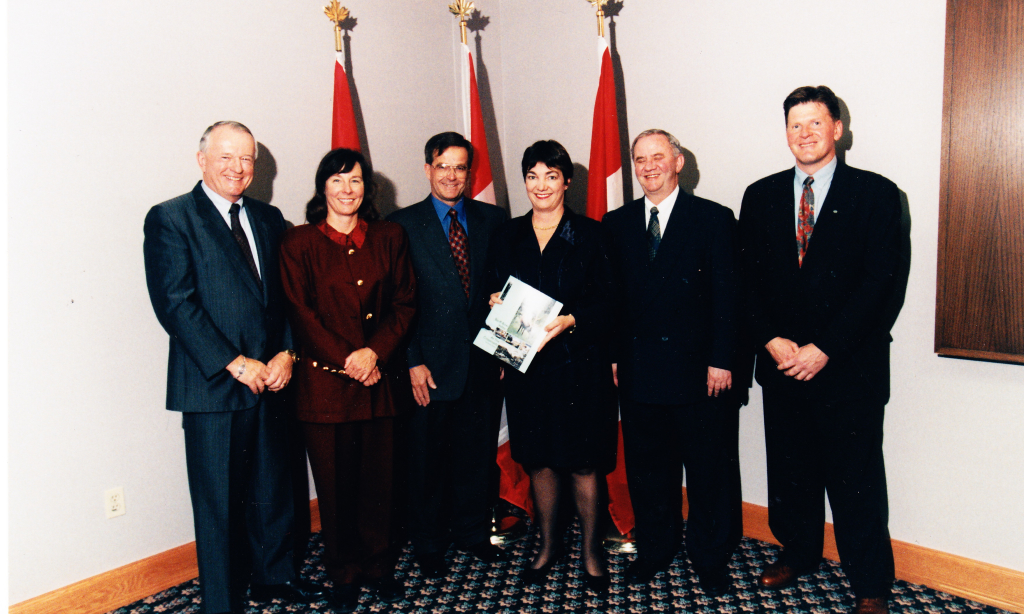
x=562, y=411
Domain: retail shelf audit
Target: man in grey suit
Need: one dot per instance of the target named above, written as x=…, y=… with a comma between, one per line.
x=453, y=433
x=212, y=270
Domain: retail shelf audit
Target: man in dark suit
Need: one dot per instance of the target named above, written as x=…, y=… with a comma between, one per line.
x=819, y=252
x=673, y=257
x=453, y=434
x=212, y=271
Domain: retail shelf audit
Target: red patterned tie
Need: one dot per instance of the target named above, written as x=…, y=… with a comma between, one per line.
x=460, y=250
x=805, y=220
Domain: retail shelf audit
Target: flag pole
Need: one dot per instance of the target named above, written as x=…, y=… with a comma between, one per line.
x=344, y=127
x=604, y=192
x=337, y=14
x=463, y=8
x=514, y=483
x=599, y=5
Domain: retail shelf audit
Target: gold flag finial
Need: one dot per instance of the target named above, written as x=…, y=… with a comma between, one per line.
x=337, y=14
x=463, y=8
x=599, y=5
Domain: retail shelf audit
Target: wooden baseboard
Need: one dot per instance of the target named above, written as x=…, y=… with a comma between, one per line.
x=982, y=582
x=119, y=587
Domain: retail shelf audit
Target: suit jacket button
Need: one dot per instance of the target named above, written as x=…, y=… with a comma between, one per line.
x=351, y=251
x=359, y=282
x=369, y=315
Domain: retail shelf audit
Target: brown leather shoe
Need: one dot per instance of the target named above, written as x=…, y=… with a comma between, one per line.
x=872, y=605
x=778, y=575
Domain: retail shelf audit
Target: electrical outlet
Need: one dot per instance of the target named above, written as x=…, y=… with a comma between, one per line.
x=113, y=502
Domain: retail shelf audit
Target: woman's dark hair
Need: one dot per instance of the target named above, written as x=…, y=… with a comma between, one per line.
x=335, y=162
x=551, y=154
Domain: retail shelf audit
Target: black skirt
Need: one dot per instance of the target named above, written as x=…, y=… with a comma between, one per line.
x=565, y=417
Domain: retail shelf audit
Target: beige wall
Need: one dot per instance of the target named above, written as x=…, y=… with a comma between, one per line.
x=106, y=104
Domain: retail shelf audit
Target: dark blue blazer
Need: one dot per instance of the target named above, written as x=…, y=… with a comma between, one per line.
x=208, y=301
x=677, y=314
x=446, y=321
x=838, y=299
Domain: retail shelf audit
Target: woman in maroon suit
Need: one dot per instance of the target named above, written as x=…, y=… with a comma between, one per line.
x=349, y=282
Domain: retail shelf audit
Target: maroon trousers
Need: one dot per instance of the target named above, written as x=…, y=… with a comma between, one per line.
x=353, y=467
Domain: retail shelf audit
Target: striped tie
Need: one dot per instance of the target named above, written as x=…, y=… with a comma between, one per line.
x=460, y=252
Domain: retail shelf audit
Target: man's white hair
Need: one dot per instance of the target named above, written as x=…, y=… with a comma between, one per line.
x=204, y=141
x=673, y=141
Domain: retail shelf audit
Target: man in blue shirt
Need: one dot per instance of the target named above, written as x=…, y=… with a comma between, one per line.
x=453, y=431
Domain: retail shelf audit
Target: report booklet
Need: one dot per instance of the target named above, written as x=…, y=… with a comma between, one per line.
x=515, y=328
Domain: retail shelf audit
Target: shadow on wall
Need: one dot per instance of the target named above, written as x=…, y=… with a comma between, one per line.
x=386, y=199
x=892, y=310
x=476, y=23
x=689, y=177
x=576, y=195
x=347, y=26
x=612, y=10
x=264, y=173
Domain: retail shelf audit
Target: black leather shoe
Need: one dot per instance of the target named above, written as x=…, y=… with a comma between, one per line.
x=296, y=590
x=714, y=584
x=487, y=552
x=642, y=571
x=389, y=589
x=432, y=564
x=778, y=575
x=344, y=598
x=598, y=585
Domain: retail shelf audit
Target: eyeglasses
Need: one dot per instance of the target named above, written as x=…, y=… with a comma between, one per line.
x=444, y=169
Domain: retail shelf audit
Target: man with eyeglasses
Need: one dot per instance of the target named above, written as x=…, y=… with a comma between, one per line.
x=452, y=434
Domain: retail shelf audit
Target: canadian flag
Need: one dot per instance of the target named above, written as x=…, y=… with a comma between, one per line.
x=481, y=185
x=604, y=192
x=343, y=128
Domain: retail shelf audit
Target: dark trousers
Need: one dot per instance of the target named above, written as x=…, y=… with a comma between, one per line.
x=242, y=502
x=353, y=467
x=452, y=448
x=659, y=441
x=816, y=447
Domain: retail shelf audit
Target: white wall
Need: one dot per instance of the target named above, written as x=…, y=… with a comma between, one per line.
x=107, y=103
x=715, y=75
x=106, y=106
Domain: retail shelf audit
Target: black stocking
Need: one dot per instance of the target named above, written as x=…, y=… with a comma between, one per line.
x=544, y=486
x=585, y=489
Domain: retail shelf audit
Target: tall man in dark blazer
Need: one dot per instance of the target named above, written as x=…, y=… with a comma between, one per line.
x=212, y=270
x=820, y=249
x=453, y=434
x=673, y=257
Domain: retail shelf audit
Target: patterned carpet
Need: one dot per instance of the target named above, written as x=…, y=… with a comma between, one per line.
x=472, y=586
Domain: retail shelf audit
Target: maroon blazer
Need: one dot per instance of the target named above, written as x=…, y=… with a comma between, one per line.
x=341, y=300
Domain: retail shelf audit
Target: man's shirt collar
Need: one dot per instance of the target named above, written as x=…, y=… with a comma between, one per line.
x=822, y=177
x=223, y=205
x=443, y=208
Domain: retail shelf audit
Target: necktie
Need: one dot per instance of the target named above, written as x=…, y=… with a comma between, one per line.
x=460, y=249
x=805, y=220
x=653, y=234
x=243, y=241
